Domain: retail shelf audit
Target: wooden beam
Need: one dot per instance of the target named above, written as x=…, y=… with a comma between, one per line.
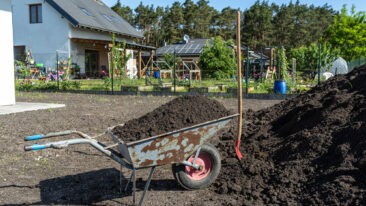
x=152, y=59
x=139, y=64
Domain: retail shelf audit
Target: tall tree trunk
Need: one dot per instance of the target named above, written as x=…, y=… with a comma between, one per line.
x=148, y=34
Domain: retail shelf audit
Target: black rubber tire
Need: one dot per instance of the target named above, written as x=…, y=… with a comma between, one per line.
x=179, y=170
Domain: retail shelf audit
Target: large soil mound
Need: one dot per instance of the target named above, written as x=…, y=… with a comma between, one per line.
x=179, y=113
x=309, y=150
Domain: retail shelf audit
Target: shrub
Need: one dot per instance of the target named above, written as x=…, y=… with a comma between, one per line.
x=26, y=85
x=69, y=85
x=308, y=57
x=66, y=85
x=48, y=86
x=76, y=85
x=348, y=34
x=217, y=60
x=107, y=82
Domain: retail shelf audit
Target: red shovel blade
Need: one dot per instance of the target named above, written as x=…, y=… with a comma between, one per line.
x=237, y=144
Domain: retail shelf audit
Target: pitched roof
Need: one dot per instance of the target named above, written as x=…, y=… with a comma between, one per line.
x=94, y=14
x=192, y=48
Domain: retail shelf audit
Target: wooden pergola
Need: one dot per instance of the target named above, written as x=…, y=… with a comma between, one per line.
x=142, y=67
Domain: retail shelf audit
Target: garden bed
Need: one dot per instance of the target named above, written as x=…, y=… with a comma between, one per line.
x=81, y=175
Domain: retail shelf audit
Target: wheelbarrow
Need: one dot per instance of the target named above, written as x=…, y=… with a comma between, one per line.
x=195, y=162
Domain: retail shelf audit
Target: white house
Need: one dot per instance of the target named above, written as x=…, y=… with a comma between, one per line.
x=7, y=90
x=80, y=29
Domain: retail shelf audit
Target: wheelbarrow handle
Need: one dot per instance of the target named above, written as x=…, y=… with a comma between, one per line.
x=33, y=137
x=53, y=134
x=34, y=147
x=65, y=143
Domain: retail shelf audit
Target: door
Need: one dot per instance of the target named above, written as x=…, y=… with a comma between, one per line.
x=91, y=63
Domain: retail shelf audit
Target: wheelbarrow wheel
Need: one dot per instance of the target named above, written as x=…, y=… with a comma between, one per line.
x=190, y=178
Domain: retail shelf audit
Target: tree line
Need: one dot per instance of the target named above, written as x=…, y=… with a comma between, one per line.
x=263, y=24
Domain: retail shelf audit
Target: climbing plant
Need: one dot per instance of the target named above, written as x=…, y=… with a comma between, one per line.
x=120, y=58
x=281, y=54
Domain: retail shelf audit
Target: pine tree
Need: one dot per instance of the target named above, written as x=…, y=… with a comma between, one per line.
x=189, y=11
x=125, y=12
x=257, y=25
x=177, y=21
x=284, y=24
x=203, y=19
x=226, y=23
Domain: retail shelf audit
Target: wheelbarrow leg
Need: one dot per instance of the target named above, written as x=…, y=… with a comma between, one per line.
x=128, y=183
x=147, y=185
x=134, y=185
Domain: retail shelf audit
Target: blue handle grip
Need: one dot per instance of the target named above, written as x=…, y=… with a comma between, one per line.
x=33, y=137
x=34, y=147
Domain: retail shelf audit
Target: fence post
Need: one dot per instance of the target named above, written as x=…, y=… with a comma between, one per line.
x=359, y=61
x=112, y=65
x=58, y=86
x=320, y=64
x=247, y=72
x=174, y=71
x=294, y=76
x=279, y=63
x=262, y=63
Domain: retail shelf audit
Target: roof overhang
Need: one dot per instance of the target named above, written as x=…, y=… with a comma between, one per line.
x=108, y=31
x=132, y=46
x=63, y=12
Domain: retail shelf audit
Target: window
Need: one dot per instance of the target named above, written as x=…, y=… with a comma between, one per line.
x=87, y=12
x=19, y=53
x=35, y=13
x=107, y=17
x=116, y=19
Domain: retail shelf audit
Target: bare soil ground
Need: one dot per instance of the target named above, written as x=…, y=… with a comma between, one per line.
x=80, y=175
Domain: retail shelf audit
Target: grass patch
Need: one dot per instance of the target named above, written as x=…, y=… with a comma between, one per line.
x=263, y=86
x=102, y=99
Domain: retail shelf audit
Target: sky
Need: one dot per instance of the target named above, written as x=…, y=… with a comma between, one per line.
x=244, y=4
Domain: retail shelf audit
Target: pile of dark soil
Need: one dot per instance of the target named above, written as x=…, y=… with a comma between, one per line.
x=309, y=150
x=179, y=113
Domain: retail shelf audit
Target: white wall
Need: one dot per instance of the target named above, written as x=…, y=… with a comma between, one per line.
x=44, y=38
x=52, y=34
x=7, y=90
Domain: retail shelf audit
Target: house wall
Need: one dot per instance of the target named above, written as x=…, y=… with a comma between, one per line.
x=78, y=49
x=78, y=54
x=7, y=90
x=43, y=39
x=52, y=35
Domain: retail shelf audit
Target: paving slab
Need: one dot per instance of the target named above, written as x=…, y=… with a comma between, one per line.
x=27, y=106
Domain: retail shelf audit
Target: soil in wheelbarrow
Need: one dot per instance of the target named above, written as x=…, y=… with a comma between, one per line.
x=179, y=113
x=309, y=150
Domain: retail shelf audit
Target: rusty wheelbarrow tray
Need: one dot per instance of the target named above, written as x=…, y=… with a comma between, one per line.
x=169, y=148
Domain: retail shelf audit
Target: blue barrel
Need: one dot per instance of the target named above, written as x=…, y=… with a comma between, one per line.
x=157, y=74
x=280, y=87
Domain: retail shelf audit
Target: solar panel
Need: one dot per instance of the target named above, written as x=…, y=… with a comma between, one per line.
x=192, y=47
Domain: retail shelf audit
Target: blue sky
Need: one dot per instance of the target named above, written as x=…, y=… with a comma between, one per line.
x=243, y=4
